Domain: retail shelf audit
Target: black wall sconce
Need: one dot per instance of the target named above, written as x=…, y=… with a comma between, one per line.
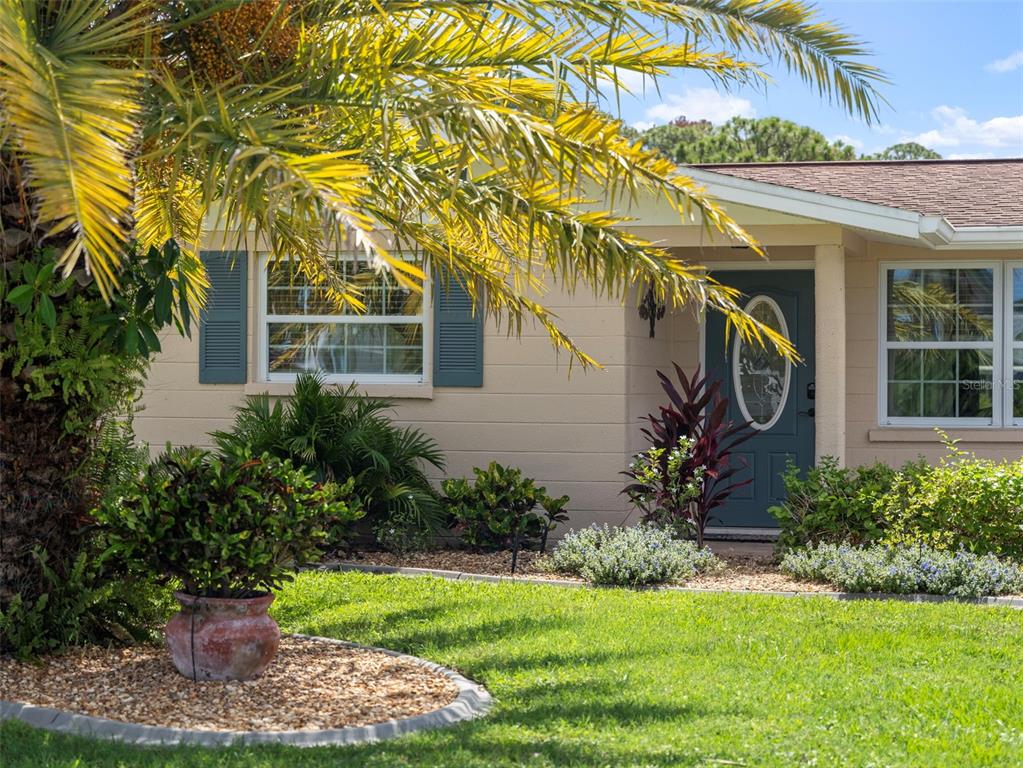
x=650, y=309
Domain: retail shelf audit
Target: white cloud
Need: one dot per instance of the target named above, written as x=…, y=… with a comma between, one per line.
x=956, y=128
x=642, y=125
x=852, y=142
x=1010, y=63
x=971, y=155
x=631, y=82
x=701, y=104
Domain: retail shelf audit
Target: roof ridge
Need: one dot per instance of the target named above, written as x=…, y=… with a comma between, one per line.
x=792, y=163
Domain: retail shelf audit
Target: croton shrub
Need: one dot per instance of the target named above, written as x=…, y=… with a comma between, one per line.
x=225, y=526
x=501, y=508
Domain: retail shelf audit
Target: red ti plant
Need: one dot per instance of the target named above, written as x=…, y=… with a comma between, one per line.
x=697, y=416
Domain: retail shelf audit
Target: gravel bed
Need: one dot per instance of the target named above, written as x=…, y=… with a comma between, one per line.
x=487, y=563
x=311, y=685
x=741, y=571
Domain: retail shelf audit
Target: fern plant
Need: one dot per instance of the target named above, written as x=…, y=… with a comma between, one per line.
x=338, y=433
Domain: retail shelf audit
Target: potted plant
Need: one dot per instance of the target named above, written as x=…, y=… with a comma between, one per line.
x=229, y=530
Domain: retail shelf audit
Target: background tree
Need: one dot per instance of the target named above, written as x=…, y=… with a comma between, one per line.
x=761, y=140
x=468, y=131
x=909, y=150
x=680, y=132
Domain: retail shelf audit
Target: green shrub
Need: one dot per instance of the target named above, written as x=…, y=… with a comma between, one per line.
x=225, y=526
x=71, y=365
x=401, y=533
x=905, y=569
x=97, y=600
x=689, y=470
x=502, y=509
x=665, y=485
x=337, y=433
x=832, y=504
x=963, y=503
x=629, y=556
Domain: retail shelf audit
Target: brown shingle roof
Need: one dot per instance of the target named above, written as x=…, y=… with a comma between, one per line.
x=969, y=193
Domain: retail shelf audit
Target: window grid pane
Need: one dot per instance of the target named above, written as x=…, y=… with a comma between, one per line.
x=940, y=333
x=385, y=340
x=1015, y=376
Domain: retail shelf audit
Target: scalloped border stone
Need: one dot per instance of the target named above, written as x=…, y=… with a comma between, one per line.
x=472, y=701
x=1002, y=602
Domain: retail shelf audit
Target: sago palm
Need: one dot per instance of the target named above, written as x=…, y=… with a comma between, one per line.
x=340, y=434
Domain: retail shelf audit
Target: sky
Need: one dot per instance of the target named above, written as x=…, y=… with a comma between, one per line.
x=956, y=71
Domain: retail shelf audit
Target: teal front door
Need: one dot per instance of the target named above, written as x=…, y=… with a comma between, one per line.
x=764, y=389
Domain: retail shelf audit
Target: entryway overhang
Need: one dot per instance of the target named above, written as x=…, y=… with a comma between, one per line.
x=870, y=219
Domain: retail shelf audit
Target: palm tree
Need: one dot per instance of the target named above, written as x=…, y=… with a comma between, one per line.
x=473, y=132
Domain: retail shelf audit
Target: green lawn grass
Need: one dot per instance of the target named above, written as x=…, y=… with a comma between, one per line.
x=617, y=678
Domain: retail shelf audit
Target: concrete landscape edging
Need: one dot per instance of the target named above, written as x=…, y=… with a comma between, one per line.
x=472, y=701
x=1004, y=602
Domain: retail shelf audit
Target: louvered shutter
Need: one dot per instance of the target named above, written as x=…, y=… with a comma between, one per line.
x=223, y=337
x=457, y=336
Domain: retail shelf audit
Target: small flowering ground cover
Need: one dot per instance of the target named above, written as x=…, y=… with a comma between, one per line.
x=905, y=569
x=615, y=677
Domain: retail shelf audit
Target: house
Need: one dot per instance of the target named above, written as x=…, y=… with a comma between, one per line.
x=901, y=284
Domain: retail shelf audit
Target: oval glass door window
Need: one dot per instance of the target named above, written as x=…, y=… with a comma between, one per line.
x=760, y=374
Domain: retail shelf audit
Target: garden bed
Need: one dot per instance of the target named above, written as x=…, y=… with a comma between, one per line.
x=312, y=685
x=741, y=572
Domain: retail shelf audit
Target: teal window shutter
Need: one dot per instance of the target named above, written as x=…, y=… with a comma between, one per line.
x=223, y=324
x=457, y=336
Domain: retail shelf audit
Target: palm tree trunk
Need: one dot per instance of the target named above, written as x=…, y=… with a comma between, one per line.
x=42, y=495
x=43, y=500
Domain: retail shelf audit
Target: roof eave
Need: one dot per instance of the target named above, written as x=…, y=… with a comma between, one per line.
x=993, y=237
x=929, y=231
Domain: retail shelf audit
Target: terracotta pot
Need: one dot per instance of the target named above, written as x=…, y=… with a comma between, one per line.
x=217, y=638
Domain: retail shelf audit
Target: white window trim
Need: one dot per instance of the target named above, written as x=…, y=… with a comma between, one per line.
x=1011, y=419
x=263, y=319
x=1001, y=407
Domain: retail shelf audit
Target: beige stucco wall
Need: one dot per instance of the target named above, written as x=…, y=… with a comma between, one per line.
x=566, y=428
x=865, y=441
x=574, y=431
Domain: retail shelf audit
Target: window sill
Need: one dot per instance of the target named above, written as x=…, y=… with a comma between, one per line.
x=928, y=435
x=389, y=391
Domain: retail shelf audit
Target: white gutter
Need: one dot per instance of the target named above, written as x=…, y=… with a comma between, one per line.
x=989, y=237
x=931, y=231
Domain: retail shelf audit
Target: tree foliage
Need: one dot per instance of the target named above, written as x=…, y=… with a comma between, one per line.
x=467, y=130
x=908, y=150
x=760, y=140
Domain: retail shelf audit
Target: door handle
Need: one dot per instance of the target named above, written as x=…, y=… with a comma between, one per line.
x=808, y=412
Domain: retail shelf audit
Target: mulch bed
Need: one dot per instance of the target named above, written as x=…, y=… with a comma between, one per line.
x=311, y=685
x=741, y=572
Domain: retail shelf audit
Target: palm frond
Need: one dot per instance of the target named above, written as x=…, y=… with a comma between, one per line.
x=73, y=117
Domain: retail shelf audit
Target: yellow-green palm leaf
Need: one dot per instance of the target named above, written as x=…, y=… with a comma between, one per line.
x=472, y=133
x=72, y=116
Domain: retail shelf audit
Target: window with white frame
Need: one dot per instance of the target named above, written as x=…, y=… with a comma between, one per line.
x=302, y=329
x=1014, y=292
x=952, y=344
